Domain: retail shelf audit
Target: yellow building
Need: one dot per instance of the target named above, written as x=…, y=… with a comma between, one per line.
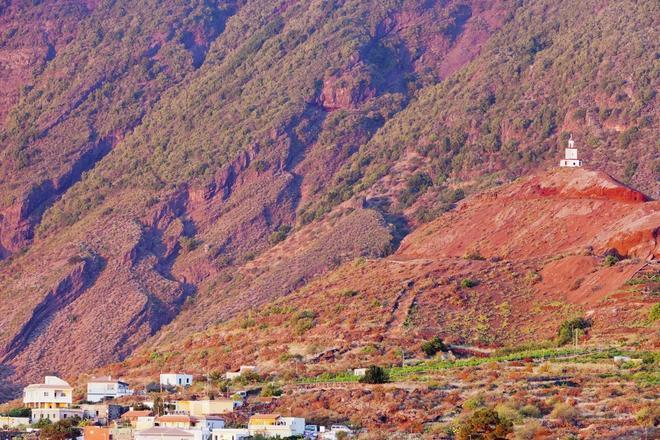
x=53, y=393
x=264, y=419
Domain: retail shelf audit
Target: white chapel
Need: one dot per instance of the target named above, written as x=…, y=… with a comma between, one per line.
x=570, y=156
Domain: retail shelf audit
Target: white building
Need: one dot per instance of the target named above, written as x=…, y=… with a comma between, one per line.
x=55, y=414
x=176, y=379
x=274, y=425
x=105, y=387
x=52, y=394
x=570, y=156
x=230, y=375
x=163, y=433
x=359, y=372
x=230, y=434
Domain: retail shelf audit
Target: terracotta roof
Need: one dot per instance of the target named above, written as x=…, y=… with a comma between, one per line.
x=265, y=416
x=135, y=414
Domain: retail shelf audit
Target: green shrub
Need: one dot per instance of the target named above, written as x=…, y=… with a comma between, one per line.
x=474, y=255
x=530, y=411
x=19, y=412
x=416, y=185
x=189, y=244
x=467, y=283
x=565, y=413
x=654, y=313
x=474, y=402
x=279, y=235
x=610, y=260
x=484, y=423
x=435, y=345
x=375, y=375
x=568, y=327
x=271, y=390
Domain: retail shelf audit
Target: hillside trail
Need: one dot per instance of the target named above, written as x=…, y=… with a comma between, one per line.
x=401, y=308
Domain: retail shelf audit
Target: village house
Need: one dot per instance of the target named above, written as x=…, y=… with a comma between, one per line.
x=164, y=433
x=359, y=372
x=102, y=413
x=274, y=425
x=92, y=432
x=105, y=387
x=131, y=417
x=145, y=422
x=230, y=375
x=180, y=421
x=230, y=434
x=50, y=400
x=199, y=408
x=176, y=379
x=210, y=422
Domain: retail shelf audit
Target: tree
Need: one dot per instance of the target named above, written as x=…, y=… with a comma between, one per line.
x=568, y=328
x=375, y=374
x=61, y=430
x=19, y=412
x=435, y=345
x=484, y=424
x=159, y=406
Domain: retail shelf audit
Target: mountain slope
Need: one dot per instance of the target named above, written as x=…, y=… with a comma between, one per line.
x=182, y=163
x=525, y=284
x=192, y=166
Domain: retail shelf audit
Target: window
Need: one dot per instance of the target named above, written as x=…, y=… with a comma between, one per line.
x=45, y=393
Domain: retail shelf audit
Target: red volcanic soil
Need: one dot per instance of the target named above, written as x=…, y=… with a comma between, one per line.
x=543, y=215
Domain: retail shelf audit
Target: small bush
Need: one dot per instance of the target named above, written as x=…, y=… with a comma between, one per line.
x=19, y=412
x=474, y=402
x=506, y=412
x=189, y=244
x=271, y=390
x=565, y=413
x=529, y=430
x=610, y=260
x=530, y=411
x=375, y=375
x=350, y=293
x=654, y=313
x=467, y=283
x=474, y=255
x=279, y=235
x=416, y=185
x=484, y=423
x=435, y=345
